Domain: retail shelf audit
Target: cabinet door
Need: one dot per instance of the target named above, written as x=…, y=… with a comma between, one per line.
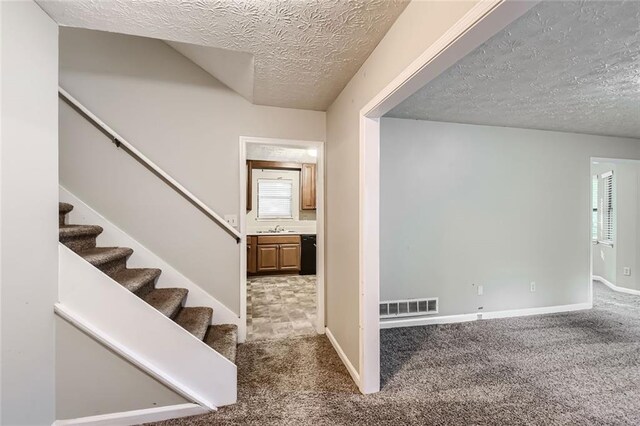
x=308, y=187
x=267, y=258
x=289, y=257
x=251, y=255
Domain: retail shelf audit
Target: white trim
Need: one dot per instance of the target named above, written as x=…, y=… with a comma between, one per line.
x=350, y=368
x=219, y=219
x=450, y=319
x=483, y=21
x=614, y=287
x=87, y=298
x=320, y=215
x=142, y=257
x=136, y=417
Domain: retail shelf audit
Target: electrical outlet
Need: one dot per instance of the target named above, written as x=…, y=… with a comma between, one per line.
x=626, y=271
x=532, y=286
x=480, y=290
x=231, y=219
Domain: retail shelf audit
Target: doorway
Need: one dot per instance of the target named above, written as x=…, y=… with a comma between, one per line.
x=282, y=256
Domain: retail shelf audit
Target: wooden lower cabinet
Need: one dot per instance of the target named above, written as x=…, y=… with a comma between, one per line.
x=274, y=253
x=289, y=257
x=268, y=258
x=252, y=254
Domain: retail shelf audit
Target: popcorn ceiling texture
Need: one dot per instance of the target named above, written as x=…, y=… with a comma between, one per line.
x=564, y=66
x=305, y=51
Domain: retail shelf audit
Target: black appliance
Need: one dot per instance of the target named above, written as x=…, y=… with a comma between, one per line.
x=308, y=261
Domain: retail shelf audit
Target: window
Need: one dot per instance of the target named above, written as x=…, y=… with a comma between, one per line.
x=275, y=198
x=607, y=208
x=594, y=207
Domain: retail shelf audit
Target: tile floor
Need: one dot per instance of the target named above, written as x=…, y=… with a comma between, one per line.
x=280, y=306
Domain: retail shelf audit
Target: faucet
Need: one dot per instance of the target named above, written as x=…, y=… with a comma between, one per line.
x=278, y=228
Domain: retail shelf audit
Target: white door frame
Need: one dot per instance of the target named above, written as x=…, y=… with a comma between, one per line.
x=483, y=21
x=320, y=172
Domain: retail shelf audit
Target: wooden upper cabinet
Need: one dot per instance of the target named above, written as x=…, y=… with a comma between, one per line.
x=308, y=187
x=289, y=257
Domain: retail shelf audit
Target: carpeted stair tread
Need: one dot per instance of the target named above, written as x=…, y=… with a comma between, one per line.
x=223, y=338
x=166, y=300
x=136, y=278
x=68, y=231
x=195, y=320
x=101, y=255
x=64, y=208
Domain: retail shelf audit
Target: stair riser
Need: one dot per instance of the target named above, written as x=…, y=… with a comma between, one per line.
x=62, y=217
x=77, y=244
x=145, y=289
x=110, y=268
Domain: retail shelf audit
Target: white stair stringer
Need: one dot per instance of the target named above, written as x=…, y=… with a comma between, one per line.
x=142, y=257
x=117, y=318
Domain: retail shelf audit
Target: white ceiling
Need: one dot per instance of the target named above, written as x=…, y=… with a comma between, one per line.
x=564, y=66
x=305, y=51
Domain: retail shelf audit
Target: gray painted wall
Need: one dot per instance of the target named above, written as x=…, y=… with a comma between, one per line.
x=28, y=213
x=94, y=380
x=182, y=119
x=463, y=205
x=417, y=28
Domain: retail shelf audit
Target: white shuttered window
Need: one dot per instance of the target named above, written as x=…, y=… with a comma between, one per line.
x=607, y=208
x=594, y=208
x=275, y=198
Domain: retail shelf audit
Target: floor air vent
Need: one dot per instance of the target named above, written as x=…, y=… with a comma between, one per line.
x=408, y=308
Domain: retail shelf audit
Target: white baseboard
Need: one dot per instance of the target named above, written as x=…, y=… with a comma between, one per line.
x=449, y=319
x=615, y=287
x=136, y=417
x=350, y=368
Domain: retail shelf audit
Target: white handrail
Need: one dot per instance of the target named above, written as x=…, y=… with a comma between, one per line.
x=120, y=140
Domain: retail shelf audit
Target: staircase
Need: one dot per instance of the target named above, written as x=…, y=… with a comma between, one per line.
x=82, y=239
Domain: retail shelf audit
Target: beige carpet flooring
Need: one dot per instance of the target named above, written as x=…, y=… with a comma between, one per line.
x=580, y=368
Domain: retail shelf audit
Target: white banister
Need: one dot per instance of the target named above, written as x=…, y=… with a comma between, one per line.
x=119, y=140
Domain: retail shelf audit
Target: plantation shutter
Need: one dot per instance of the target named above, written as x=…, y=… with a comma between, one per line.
x=594, y=208
x=607, y=208
x=275, y=198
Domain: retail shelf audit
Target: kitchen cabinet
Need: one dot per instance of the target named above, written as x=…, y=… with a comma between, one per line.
x=268, y=257
x=308, y=187
x=274, y=253
x=252, y=254
x=289, y=257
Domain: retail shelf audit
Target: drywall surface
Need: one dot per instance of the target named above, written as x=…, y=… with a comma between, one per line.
x=467, y=205
x=97, y=381
x=419, y=26
x=305, y=51
x=28, y=213
x=186, y=122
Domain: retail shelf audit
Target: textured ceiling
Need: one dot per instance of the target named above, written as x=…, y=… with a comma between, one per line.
x=564, y=66
x=305, y=51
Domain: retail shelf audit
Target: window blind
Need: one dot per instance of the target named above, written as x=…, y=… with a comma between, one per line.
x=275, y=198
x=594, y=208
x=607, y=207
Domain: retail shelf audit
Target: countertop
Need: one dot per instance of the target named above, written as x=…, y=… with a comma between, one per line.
x=258, y=234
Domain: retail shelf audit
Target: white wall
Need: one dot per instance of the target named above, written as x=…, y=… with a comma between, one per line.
x=182, y=119
x=96, y=381
x=420, y=25
x=463, y=205
x=28, y=212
